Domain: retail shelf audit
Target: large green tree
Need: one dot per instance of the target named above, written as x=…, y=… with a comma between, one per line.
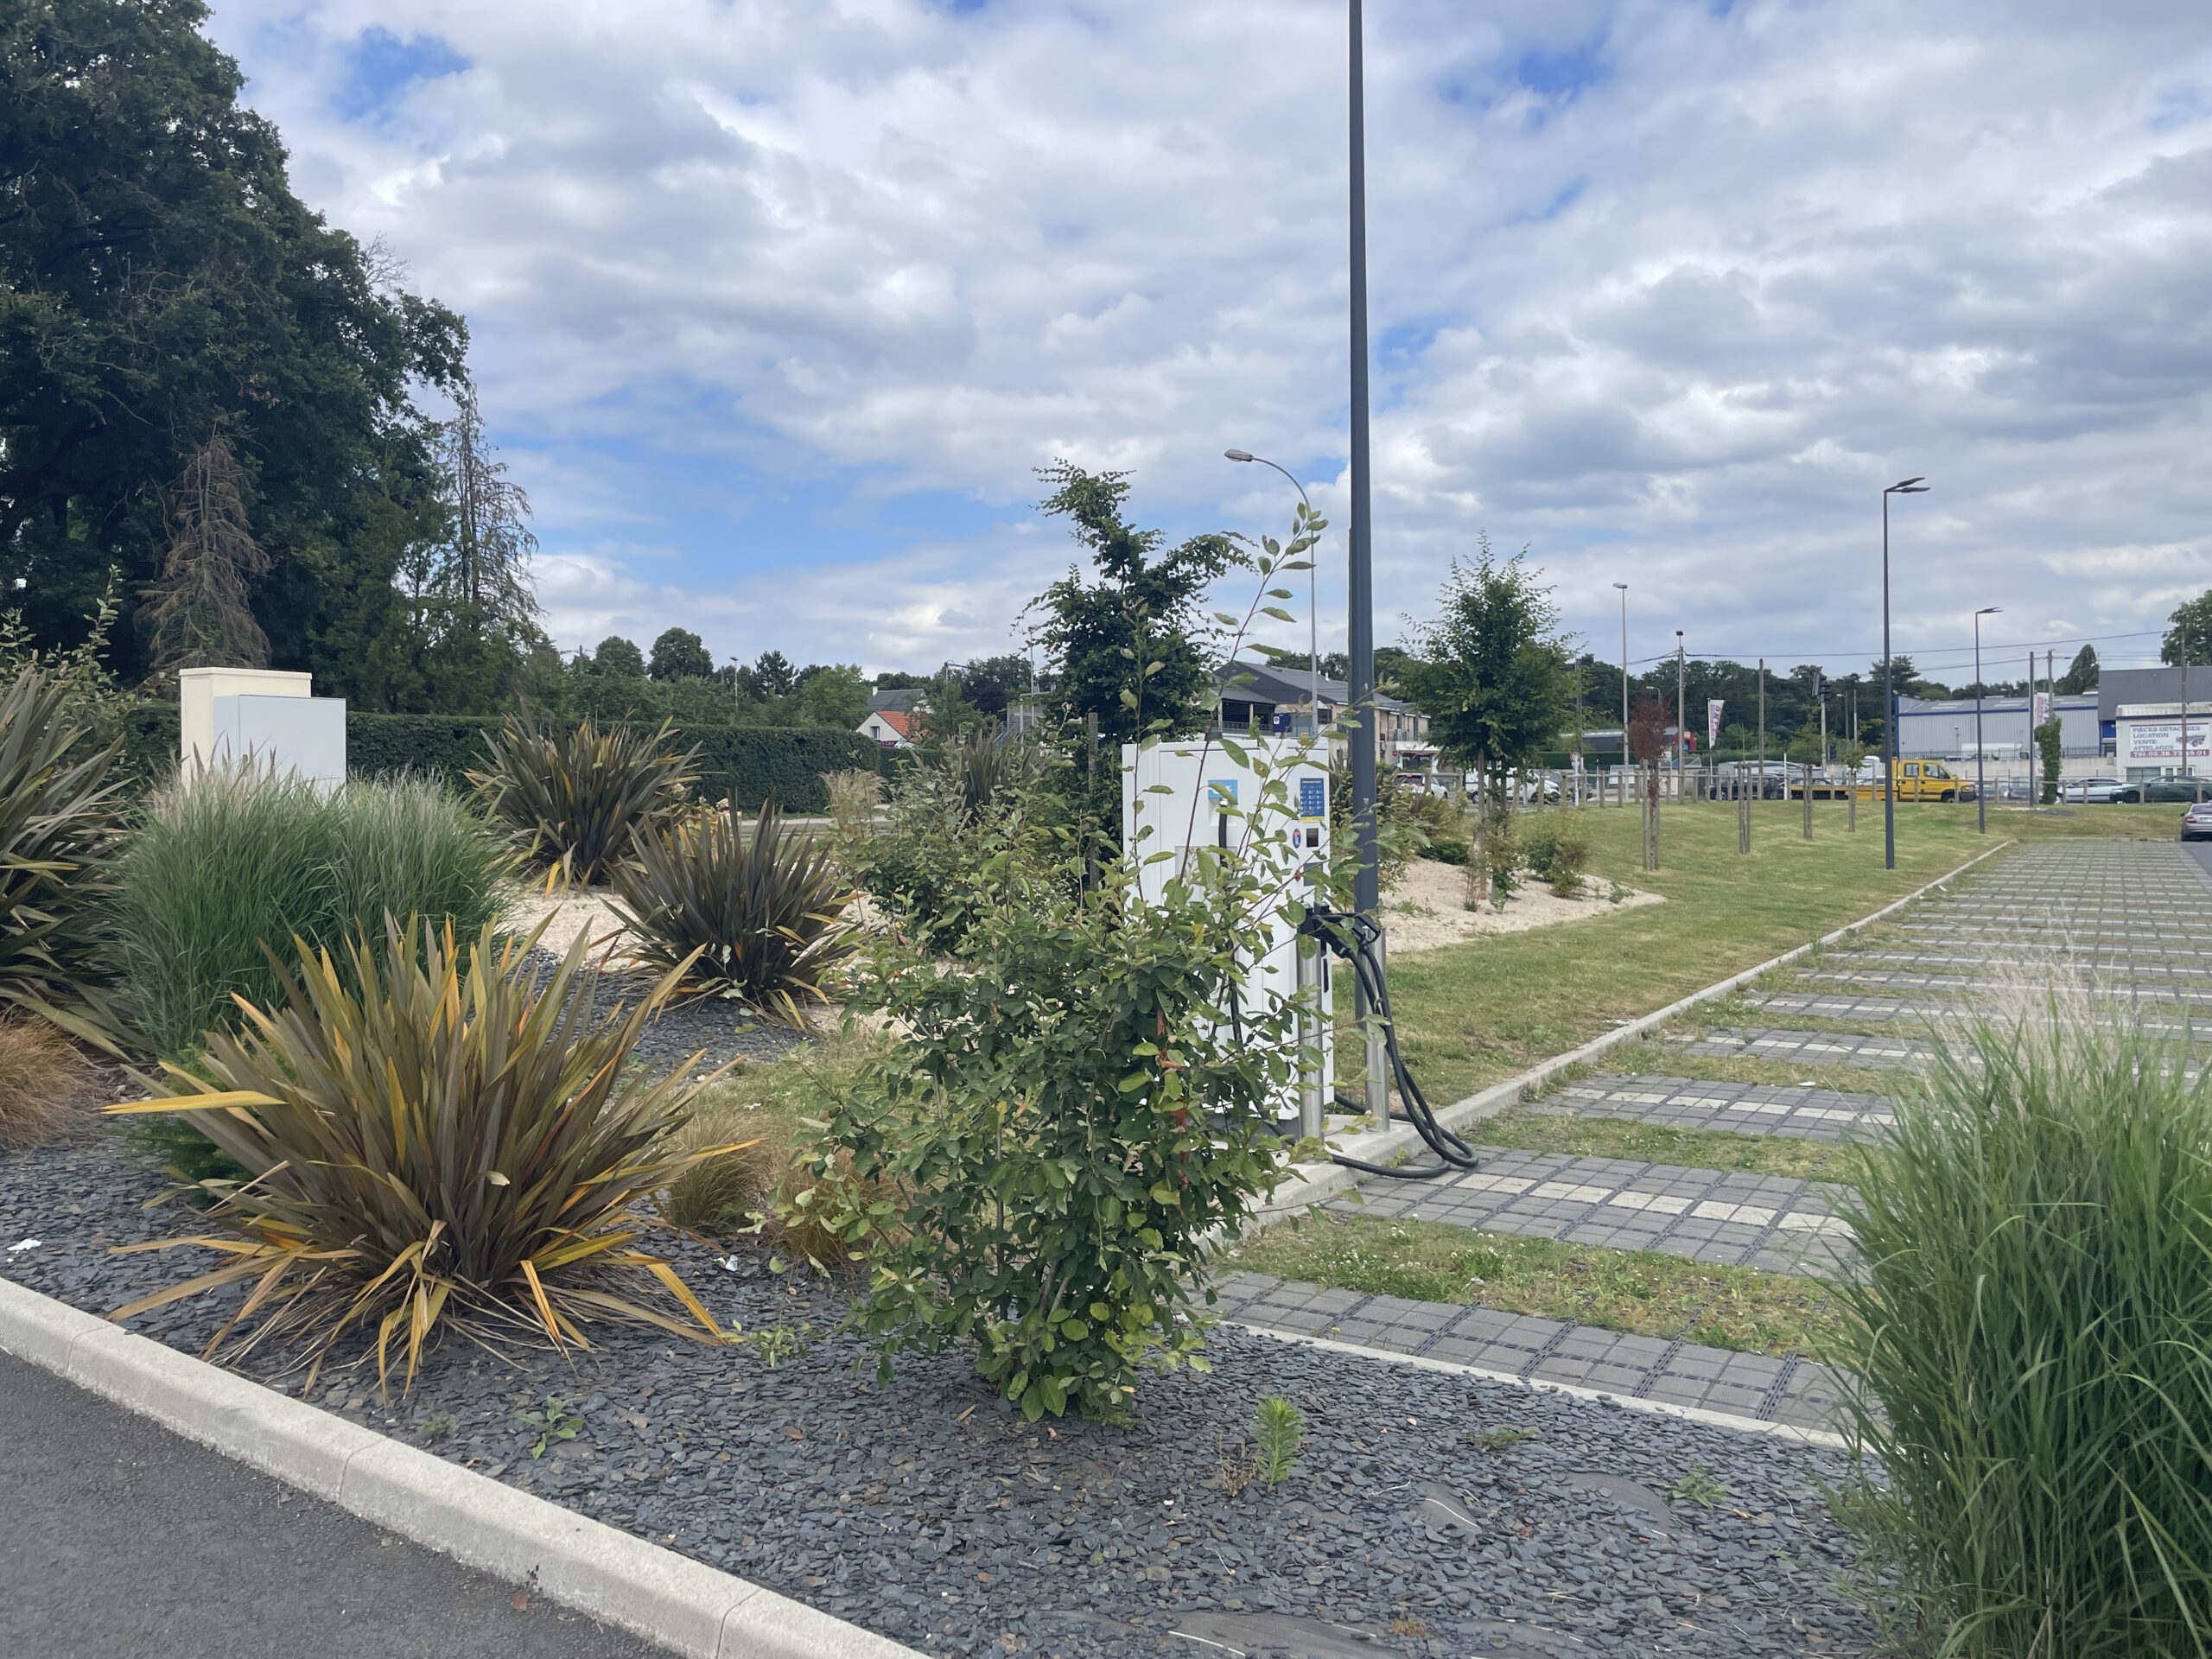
x=161, y=289
x=1124, y=637
x=1490, y=670
x=2190, y=638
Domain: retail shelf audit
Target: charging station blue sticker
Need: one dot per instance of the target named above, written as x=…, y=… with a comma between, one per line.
x=1222, y=791
x=1313, y=797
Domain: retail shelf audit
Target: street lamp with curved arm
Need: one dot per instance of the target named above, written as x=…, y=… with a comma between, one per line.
x=1915, y=486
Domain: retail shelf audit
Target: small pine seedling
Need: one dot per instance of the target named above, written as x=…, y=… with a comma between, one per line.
x=1699, y=1487
x=1277, y=1431
x=1500, y=1438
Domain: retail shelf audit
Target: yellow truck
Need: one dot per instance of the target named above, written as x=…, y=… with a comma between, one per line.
x=1916, y=780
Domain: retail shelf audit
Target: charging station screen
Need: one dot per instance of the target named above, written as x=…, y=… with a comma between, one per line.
x=1313, y=797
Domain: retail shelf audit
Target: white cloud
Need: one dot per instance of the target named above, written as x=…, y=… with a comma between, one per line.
x=1677, y=324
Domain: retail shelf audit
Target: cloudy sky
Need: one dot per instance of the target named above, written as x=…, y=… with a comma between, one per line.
x=777, y=303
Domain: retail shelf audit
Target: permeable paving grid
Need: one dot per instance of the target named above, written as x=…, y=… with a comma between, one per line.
x=2118, y=920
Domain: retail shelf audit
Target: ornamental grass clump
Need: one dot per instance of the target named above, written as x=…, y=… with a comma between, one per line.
x=574, y=797
x=2032, y=1339
x=42, y=1082
x=433, y=1141
x=756, y=917
x=225, y=868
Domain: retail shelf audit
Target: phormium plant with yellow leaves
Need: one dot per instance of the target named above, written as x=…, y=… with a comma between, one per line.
x=434, y=1141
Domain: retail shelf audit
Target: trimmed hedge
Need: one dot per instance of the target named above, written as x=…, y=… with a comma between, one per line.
x=746, y=761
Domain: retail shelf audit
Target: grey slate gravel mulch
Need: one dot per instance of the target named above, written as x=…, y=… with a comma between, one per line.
x=928, y=1511
x=724, y=1030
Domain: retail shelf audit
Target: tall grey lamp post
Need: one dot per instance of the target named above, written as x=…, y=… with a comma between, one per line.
x=1359, y=691
x=1980, y=763
x=1312, y=594
x=1909, y=487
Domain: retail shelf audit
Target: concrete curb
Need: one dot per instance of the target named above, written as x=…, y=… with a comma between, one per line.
x=1313, y=1183
x=597, y=1569
x=1790, y=1432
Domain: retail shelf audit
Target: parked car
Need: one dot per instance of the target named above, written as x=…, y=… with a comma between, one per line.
x=2197, y=823
x=2162, y=789
x=2092, y=789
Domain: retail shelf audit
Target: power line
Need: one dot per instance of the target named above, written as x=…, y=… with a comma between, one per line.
x=1940, y=655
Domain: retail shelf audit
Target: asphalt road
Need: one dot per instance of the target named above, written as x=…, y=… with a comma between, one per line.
x=2201, y=851
x=118, y=1540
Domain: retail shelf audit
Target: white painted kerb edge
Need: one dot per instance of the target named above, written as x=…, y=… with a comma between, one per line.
x=570, y=1558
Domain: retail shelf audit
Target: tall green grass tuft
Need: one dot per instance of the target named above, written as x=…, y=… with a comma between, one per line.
x=233, y=859
x=2032, y=1341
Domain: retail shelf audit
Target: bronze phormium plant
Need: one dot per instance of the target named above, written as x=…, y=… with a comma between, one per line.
x=757, y=916
x=434, y=1141
x=573, y=797
x=58, y=818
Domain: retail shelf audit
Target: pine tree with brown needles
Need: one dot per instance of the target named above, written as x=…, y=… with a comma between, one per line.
x=200, y=613
x=486, y=565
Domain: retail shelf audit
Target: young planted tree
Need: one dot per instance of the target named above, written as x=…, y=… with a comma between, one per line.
x=1127, y=643
x=1491, y=670
x=201, y=615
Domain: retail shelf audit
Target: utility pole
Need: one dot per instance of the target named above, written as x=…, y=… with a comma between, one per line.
x=1762, y=729
x=2188, y=770
x=2029, y=717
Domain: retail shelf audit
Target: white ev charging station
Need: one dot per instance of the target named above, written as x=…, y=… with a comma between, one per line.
x=1190, y=793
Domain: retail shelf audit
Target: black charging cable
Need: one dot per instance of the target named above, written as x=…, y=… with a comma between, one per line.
x=1356, y=937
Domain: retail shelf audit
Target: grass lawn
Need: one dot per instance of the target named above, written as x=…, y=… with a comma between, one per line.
x=1640, y=1292
x=1523, y=1130
x=1474, y=1014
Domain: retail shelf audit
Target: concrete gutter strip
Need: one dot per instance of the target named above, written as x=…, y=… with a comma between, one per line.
x=1790, y=1432
x=1312, y=1183
x=597, y=1569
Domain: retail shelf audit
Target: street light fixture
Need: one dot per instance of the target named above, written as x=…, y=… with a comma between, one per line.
x=1980, y=763
x=1908, y=486
x=1312, y=594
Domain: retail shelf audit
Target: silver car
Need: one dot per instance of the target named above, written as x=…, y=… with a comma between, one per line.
x=2093, y=789
x=2197, y=823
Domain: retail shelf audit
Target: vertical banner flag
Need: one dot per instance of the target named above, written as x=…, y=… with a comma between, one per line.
x=1713, y=707
x=2043, y=708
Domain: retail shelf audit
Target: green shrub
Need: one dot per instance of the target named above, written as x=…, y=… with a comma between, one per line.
x=1558, y=853
x=945, y=817
x=450, y=1145
x=573, y=797
x=753, y=916
x=1503, y=856
x=1064, y=1118
x=58, y=817
x=1406, y=818
x=233, y=864
x=2032, y=1337
x=1449, y=846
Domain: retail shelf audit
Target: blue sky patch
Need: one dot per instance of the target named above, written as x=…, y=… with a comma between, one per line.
x=383, y=66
